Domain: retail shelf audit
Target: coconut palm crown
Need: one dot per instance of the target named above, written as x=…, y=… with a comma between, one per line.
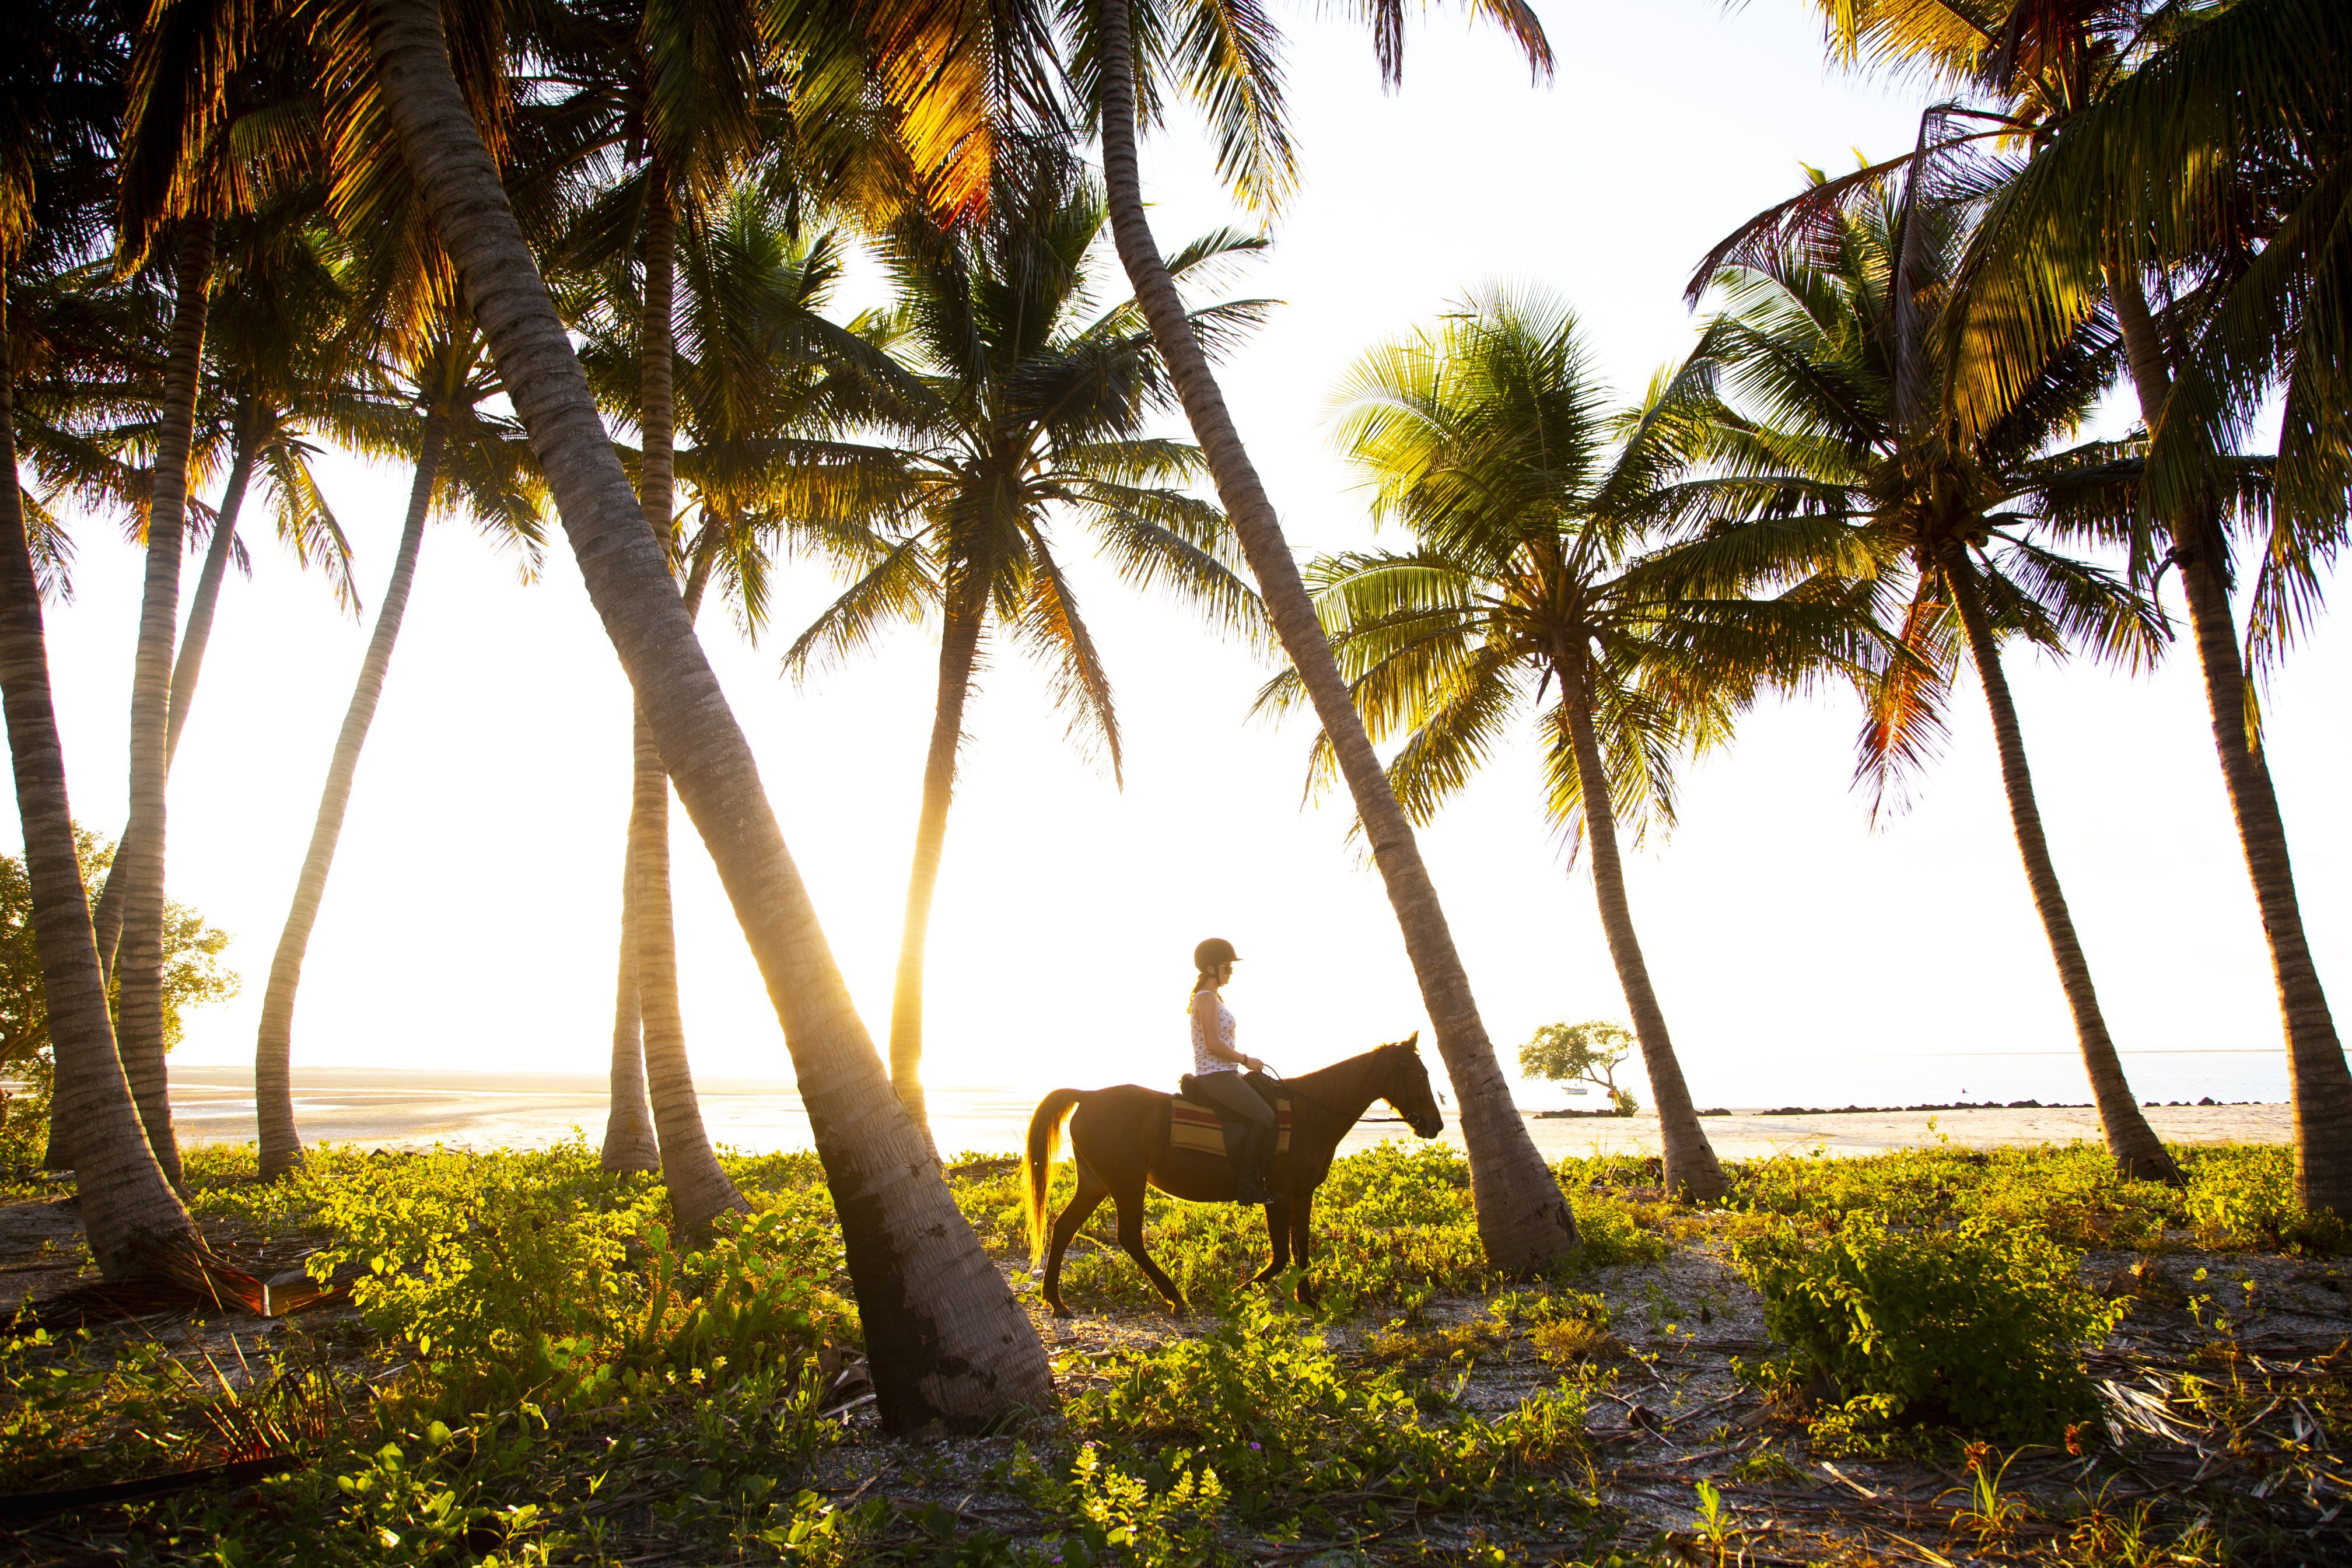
x=1018, y=401
x=1489, y=438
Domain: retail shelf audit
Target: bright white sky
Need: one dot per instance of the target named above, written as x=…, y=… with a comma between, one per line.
x=471, y=920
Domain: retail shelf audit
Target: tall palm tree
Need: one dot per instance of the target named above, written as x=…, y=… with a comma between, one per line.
x=181, y=174
x=1018, y=401
x=1222, y=52
x=60, y=73
x=946, y=1340
x=666, y=98
x=746, y=374
x=1485, y=437
x=2205, y=144
x=1820, y=431
x=271, y=375
x=2221, y=167
x=466, y=457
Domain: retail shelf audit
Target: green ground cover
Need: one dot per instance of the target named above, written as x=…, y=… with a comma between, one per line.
x=531, y=1369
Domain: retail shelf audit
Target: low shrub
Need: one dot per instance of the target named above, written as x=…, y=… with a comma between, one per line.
x=1261, y=1400
x=1979, y=1323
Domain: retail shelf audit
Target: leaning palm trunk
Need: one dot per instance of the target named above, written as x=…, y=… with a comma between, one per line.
x=699, y=1190
x=273, y=1088
x=943, y=1336
x=2318, y=1079
x=139, y=861
x=1691, y=1168
x=1523, y=1220
x=107, y=916
x=2138, y=1152
x=959, y=646
x=136, y=1225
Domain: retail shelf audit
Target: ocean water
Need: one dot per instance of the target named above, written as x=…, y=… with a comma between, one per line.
x=481, y=1110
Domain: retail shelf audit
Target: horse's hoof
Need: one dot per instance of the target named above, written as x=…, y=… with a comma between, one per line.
x=1061, y=1311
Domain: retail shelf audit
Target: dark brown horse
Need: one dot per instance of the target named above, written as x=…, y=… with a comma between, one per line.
x=1118, y=1137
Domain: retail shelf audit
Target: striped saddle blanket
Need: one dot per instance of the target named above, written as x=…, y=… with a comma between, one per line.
x=1196, y=1128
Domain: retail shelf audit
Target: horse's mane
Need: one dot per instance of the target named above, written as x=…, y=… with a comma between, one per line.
x=1325, y=1078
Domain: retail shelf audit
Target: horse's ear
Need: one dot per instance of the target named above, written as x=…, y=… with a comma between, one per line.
x=1412, y=1042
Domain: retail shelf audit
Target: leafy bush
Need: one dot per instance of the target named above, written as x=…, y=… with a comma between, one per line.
x=1263, y=1401
x=1979, y=1323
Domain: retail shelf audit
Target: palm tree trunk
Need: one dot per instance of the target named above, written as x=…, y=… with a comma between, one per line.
x=959, y=647
x=944, y=1337
x=273, y=1088
x=1523, y=1220
x=2319, y=1082
x=629, y=1141
x=2138, y=1154
x=139, y=861
x=1691, y=1168
x=107, y=916
x=699, y=1190
x=136, y=1226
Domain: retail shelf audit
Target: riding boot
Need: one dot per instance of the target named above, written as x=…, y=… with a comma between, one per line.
x=1248, y=1155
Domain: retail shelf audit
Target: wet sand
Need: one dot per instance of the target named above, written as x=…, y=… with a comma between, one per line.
x=486, y=1110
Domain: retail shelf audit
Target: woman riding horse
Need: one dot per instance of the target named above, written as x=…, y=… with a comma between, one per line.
x=1120, y=1140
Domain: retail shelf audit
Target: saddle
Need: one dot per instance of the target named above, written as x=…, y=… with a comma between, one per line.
x=1198, y=1127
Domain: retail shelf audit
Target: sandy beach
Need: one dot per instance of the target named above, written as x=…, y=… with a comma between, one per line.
x=486, y=1111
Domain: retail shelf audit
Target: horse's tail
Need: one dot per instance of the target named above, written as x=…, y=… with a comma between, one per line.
x=1037, y=1161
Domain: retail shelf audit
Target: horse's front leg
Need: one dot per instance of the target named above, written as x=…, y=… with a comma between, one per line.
x=1301, y=1206
x=1277, y=1230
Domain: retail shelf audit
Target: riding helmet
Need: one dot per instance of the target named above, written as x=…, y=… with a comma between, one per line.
x=1212, y=952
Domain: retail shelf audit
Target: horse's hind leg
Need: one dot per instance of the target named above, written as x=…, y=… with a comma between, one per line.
x=1091, y=1192
x=1277, y=1226
x=1129, y=1198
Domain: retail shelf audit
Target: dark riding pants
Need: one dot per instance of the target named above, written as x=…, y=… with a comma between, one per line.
x=1231, y=1094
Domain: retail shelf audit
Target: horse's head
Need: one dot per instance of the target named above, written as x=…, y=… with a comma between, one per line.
x=1404, y=1082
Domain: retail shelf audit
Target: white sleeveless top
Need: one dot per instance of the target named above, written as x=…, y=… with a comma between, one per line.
x=1202, y=1062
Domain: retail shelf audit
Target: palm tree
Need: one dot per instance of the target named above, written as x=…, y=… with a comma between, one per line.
x=272, y=373
x=2192, y=140
x=2221, y=166
x=60, y=73
x=1222, y=52
x=181, y=174
x=464, y=455
x=1948, y=508
x=1017, y=401
x=750, y=295
x=1486, y=437
x=669, y=93
x=946, y=1339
